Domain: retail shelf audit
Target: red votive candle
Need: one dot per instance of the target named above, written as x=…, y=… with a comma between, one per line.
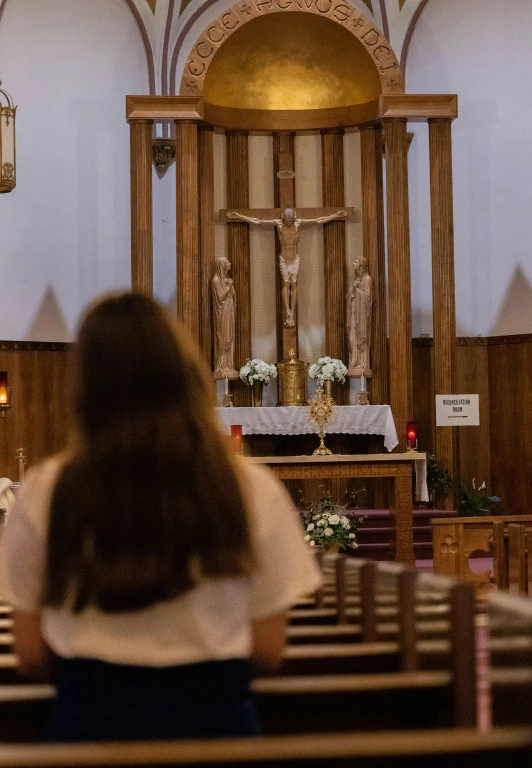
x=411, y=435
x=236, y=437
x=3, y=387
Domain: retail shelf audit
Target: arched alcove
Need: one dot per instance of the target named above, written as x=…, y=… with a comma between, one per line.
x=291, y=62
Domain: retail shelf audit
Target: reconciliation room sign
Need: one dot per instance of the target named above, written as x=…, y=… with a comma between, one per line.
x=457, y=411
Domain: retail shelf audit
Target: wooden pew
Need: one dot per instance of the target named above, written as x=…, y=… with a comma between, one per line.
x=510, y=649
x=376, y=683
x=512, y=561
x=464, y=748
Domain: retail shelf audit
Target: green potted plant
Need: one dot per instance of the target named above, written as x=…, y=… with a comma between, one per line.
x=477, y=501
x=438, y=479
x=329, y=525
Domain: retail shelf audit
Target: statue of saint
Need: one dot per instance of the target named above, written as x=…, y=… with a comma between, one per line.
x=223, y=310
x=358, y=320
x=288, y=230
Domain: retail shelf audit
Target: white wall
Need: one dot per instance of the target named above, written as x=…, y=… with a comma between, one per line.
x=64, y=230
x=480, y=51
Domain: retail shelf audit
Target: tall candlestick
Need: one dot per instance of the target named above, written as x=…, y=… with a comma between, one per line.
x=362, y=383
x=226, y=385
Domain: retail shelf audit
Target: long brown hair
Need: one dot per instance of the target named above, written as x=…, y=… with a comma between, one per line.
x=149, y=501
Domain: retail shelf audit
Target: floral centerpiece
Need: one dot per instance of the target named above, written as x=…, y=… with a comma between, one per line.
x=257, y=371
x=328, y=369
x=329, y=525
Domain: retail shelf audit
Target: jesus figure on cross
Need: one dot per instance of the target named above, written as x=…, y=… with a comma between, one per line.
x=288, y=230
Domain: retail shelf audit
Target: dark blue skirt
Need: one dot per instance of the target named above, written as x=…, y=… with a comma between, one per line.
x=97, y=701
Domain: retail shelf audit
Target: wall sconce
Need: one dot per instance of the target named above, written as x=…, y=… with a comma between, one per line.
x=8, y=166
x=411, y=436
x=5, y=394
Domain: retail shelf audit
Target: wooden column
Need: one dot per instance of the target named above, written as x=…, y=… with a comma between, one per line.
x=284, y=196
x=399, y=289
x=334, y=254
x=187, y=227
x=206, y=237
x=140, y=132
x=371, y=142
x=373, y=241
x=443, y=295
x=238, y=253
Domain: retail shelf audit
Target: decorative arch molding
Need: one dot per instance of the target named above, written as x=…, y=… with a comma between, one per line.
x=362, y=27
x=410, y=31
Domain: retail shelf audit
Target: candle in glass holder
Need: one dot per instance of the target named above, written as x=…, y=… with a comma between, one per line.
x=4, y=395
x=226, y=385
x=362, y=383
x=236, y=436
x=411, y=435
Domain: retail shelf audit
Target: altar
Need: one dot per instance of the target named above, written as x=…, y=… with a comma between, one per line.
x=293, y=420
x=396, y=466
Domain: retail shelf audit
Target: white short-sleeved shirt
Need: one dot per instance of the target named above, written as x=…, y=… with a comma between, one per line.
x=210, y=622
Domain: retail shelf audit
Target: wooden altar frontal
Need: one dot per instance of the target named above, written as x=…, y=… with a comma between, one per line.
x=396, y=466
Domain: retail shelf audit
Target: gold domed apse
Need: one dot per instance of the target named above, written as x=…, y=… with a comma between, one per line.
x=291, y=61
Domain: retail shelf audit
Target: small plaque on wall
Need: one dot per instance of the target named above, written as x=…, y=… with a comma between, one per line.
x=457, y=411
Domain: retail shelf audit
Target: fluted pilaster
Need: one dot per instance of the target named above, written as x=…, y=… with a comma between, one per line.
x=443, y=292
x=399, y=289
x=206, y=237
x=239, y=253
x=140, y=132
x=334, y=254
x=187, y=227
x=373, y=241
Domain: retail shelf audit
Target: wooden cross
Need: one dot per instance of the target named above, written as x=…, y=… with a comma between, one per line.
x=288, y=334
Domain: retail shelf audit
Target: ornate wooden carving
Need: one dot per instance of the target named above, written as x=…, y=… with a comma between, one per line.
x=361, y=26
x=206, y=236
x=443, y=295
x=399, y=289
x=187, y=234
x=141, y=206
x=238, y=253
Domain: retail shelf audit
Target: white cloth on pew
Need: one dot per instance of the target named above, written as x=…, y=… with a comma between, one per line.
x=210, y=622
x=293, y=420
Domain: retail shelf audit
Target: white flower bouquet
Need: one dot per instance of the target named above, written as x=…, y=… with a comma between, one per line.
x=257, y=370
x=328, y=369
x=329, y=525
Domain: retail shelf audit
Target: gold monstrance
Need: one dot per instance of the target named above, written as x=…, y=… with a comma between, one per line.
x=321, y=411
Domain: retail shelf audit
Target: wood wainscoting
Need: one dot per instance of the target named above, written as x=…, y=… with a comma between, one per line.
x=499, y=451
x=37, y=422
x=499, y=369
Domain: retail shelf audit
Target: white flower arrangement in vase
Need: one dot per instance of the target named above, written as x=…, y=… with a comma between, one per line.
x=328, y=369
x=329, y=525
x=256, y=371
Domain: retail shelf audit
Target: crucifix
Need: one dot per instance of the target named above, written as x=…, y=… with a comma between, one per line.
x=288, y=223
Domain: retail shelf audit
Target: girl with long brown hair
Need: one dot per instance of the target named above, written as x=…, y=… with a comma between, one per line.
x=147, y=564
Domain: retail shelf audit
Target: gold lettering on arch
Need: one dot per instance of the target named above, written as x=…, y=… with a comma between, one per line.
x=374, y=40
x=227, y=17
x=341, y=12
x=215, y=39
x=205, y=55
x=377, y=52
x=328, y=3
x=194, y=68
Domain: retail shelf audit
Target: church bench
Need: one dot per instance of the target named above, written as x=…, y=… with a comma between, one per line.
x=461, y=748
x=510, y=650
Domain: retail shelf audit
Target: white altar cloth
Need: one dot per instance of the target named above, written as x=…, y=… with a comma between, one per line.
x=292, y=420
